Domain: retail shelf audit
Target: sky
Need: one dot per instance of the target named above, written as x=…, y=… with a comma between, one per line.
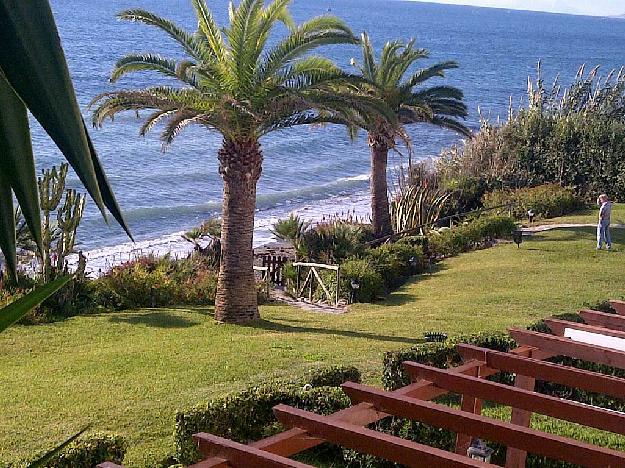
x=579, y=7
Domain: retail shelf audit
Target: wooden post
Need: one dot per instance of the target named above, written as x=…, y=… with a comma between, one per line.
x=515, y=458
x=471, y=405
x=297, y=281
x=338, y=284
x=310, y=285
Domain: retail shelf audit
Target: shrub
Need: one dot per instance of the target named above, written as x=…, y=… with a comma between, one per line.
x=334, y=241
x=470, y=235
x=371, y=283
x=467, y=193
x=440, y=355
x=573, y=136
x=248, y=415
x=546, y=201
x=86, y=452
x=156, y=282
x=395, y=262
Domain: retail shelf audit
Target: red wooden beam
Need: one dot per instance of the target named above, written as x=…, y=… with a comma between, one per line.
x=520, y=398
x=567, y=347
x=558, y=327
x=372, y=442
x=241, y=455
x=618, y=306
x=602, y=319
x=549, y=445
x=547, y=371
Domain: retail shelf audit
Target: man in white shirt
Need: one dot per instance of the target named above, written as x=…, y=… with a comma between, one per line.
x=603, y=227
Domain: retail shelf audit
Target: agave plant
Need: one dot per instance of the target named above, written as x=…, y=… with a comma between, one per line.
x=417, y=206
x=290, y=229
x=404, y=92
x=238, y=84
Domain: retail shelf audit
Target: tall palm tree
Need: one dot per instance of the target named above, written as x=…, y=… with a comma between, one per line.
x=404, y=94
x=235, y=83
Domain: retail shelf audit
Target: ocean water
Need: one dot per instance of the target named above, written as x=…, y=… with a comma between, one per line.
x=313, y=170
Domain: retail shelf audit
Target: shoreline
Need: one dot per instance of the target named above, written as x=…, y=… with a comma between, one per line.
x=100, y=260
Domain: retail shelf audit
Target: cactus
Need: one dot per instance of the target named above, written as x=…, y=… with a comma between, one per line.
x=58, y=237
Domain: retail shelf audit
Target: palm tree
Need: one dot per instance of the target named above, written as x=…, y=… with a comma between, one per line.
x=410, y=102
x=236, y=84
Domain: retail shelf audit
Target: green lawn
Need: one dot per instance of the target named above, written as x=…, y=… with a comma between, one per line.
x=129, y=372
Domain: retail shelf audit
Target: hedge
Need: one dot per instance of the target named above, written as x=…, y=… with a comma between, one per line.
x=86, y=452
x=248, y=415
x=441, y=355
x=470, y=235
x=546, y=201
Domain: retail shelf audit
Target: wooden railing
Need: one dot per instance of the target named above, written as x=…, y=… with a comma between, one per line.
x=313, y=277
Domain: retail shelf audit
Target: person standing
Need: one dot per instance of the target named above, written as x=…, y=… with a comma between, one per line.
x=603, y=228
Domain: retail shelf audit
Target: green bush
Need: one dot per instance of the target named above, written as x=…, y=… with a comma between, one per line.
x=440, y=355
x=248, y=415
x=371, y=283
x=86, y=452
x=468, y=193
x=334, y=241
x=157, y=282
x=573, y=136
x=546, y=201
x=470, y=235
x=395, y=262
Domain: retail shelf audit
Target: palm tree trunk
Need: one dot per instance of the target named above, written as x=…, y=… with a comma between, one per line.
x=240, y=168
x=380, y=214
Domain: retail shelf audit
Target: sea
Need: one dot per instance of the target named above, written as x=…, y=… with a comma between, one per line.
x=314, y=172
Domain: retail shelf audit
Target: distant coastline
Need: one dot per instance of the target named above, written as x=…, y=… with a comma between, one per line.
x=523, y=10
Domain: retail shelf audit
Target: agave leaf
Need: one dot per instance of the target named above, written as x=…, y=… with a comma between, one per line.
x=17, y=164
x=17, y=309
x=7, y=225
x=33, y=63
x=43, y=460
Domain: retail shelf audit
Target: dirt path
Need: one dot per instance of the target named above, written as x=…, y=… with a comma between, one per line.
x=281, y=296
x=548, y=227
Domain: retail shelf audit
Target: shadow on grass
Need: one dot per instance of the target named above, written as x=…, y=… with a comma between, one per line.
x=283, y=328
x=401, y=296
x=157, y=319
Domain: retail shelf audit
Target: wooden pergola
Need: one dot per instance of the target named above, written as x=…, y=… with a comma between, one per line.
x=600, y=340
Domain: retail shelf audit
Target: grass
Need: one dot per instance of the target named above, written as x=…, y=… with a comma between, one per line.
x=129, y=372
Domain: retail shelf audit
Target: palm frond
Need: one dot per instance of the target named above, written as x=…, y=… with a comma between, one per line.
x=150, y=62
x=244, y=27
x=157, y=98
x=319, y=31
x=189, y=42
x=369, y=66
x=451, y=124
x=176, y=123
x=209, y=28
x=425, y=74
x=438, y=92
x=153, y=119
